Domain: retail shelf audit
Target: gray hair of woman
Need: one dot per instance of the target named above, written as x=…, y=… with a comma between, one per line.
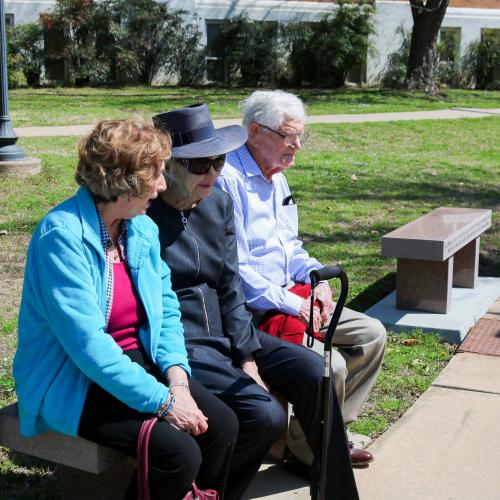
x=271, y=108
x=176, y=176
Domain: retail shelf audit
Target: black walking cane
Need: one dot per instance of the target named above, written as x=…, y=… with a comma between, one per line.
x=316, y=276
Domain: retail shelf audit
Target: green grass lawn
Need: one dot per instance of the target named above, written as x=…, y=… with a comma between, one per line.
x=352, y=184
x=75, y=106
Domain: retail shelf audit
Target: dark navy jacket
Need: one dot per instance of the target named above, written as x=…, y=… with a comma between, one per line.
x=199, y=246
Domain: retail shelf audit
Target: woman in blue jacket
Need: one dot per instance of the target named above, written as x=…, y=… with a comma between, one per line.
x=101, y=346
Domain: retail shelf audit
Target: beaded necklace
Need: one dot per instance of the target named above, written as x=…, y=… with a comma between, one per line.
x=107, y=243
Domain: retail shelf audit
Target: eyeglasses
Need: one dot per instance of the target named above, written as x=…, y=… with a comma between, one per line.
x=201, y=166
x=289, y=139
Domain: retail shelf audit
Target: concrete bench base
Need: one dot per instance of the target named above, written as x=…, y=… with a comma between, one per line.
x=88, y=470
x=468, y=305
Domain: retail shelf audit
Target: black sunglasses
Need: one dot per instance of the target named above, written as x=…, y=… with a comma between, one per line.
x=201, y=166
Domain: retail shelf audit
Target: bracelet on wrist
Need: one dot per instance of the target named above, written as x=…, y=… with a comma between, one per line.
x=166, y=407
x=182, y=385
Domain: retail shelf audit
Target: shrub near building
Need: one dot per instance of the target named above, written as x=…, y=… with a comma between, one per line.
x=296, y=53
x=113, y=42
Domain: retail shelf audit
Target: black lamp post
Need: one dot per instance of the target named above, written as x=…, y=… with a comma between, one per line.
x=8, y=149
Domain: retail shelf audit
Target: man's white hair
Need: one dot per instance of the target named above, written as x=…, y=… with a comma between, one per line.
x=272, y=108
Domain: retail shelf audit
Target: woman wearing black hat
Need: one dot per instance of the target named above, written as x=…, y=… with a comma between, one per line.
x=226, y=353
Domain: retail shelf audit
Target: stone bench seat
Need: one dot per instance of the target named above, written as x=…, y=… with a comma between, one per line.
x=434, y=253
x=87, y=470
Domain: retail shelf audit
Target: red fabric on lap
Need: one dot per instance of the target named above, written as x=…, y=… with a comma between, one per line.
x=284, y=326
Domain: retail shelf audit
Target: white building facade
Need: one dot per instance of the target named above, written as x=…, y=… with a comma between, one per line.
x=389, y=15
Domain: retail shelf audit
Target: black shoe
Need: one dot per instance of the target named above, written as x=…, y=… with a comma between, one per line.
x=294, y=466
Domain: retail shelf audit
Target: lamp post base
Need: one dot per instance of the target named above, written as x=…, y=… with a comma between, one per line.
x=11, y=152
x=20, y=168
x=8, y=138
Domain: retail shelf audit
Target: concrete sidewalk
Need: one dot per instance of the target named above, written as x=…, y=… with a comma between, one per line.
x=442, y=114
x=446, y=446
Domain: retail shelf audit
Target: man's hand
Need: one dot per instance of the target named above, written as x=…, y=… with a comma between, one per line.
x=323, y=293
x=249, y=366
x=304, y=314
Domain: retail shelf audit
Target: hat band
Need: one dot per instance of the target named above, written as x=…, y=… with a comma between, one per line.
x=190, y=136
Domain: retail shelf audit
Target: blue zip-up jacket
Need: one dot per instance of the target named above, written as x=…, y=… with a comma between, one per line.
x=62, y=345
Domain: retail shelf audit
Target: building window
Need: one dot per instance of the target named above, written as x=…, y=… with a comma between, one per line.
x=490, y=34
x=449, y=44
x=488, y=76
x=9, y=20
x=357, y=74
x=55, y=65
x=448, y=55
x=215, y=56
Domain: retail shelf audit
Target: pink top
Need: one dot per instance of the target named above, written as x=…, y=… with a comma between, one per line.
x=127, y=312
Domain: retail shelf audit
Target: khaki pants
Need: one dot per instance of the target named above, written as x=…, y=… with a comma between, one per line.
x=360, y=342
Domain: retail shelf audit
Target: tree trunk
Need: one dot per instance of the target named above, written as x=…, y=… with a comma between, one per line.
x=427, y=19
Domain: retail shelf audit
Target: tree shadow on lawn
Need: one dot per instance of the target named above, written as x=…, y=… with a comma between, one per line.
x=366, y=234
x=380, y=96
x=486, y=197
x=29, y=478
x=149, y=96
x=373, y=293
x=363, y=95
x=490, y=266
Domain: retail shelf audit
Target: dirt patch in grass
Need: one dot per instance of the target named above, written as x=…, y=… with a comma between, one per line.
x=12, y=260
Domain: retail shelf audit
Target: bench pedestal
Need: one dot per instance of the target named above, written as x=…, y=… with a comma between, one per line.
x=424, y=285
x=466, y=265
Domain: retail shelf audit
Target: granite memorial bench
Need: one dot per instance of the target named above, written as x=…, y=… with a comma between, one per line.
x=434, y=253
x=87, y=470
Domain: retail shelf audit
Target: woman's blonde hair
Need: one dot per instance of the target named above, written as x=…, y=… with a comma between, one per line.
x=121, y=157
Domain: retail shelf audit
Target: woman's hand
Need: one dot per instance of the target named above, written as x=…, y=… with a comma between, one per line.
x=249, y=366
x=185, y=414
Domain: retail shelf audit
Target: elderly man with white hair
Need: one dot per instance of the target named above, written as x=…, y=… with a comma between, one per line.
x=274, y=267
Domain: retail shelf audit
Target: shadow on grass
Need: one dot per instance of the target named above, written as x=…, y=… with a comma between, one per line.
x=490, y=266
x=373, y=293
x=486, y=197
x=29, y=478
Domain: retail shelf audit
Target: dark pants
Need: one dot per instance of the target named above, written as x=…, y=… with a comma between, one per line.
x=296, y=373
x=176, y=458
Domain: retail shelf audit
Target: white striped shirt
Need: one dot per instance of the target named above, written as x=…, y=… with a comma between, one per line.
x=266, y=222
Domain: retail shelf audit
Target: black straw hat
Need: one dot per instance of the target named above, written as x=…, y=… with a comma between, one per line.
x=194, y=135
